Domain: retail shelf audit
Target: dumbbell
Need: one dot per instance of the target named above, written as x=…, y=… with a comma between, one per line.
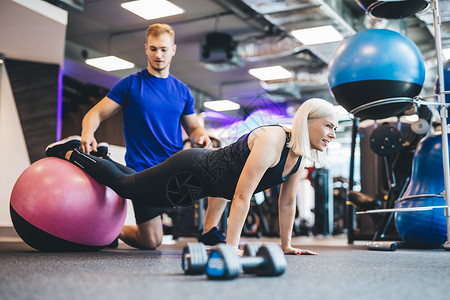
x=250, y=250
x=224, y=263
x=194, y=258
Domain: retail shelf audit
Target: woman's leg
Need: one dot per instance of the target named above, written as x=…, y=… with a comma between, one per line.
x=125, y=169
x=177, y=181
x=181, y=177
x=105, y=171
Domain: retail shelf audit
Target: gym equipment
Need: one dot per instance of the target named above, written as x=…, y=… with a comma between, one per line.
x=195, y=257
x=426, y=227
x=446, y=74
x=251, y=249
x=446, y=70
x=419, y=218
x=386, y=140
x=408, y=200
x=387, y=151
x=443, y=111
x=56, y=206
x=384, y=246
x=389, y=9
x=400, y=209
x=224, y=263
x=368, y=77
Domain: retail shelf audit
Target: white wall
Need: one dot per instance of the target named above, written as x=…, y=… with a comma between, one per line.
x=14, y=157
x=31, y=30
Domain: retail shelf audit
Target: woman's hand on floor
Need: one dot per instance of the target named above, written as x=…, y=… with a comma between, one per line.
x=297, y=251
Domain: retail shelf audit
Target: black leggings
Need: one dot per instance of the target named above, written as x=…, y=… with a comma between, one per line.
x=178, y=181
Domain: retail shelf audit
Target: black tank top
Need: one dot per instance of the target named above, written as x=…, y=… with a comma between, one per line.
x=224, y=167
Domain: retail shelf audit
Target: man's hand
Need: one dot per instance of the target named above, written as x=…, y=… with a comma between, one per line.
x=204, y=142
x=88, y=143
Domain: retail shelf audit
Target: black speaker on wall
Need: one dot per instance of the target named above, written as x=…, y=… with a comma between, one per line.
x=218, y=47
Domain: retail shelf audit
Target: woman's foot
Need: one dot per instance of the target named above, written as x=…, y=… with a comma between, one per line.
x=59, y=149
x=102, y=150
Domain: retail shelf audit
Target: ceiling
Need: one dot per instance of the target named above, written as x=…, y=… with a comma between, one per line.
x=103, y=27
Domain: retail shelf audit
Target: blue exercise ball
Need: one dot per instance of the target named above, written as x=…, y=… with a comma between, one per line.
x=428, y=228
x=446, y=81
x=376, y=64
x=446, y=84
x=389, y=9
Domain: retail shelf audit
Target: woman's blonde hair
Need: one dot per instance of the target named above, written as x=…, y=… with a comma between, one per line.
x=300, y=144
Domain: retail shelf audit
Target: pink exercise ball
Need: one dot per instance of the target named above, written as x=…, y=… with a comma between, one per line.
x=56, y=206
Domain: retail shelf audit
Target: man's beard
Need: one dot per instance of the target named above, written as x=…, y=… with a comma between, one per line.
x=158, y=69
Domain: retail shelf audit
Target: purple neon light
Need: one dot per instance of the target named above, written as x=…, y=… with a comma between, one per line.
x=59, y=104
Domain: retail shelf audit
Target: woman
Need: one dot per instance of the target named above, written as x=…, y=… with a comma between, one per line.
x=265, y=157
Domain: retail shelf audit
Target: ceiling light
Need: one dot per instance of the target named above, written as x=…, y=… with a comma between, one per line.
x=317, y=35
x=221, y=105
x=109, y=63
x=446, y=53
x=270, y=73
x=152, y=9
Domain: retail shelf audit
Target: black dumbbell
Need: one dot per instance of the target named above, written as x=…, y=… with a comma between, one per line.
x=251, y=249
x=224, y=263
x=194, y=258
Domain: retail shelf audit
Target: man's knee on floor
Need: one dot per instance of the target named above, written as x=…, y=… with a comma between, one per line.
x=150, y=233
x=150, y=241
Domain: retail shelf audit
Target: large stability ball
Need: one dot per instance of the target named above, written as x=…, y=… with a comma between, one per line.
x=446, y=72
x=389, y=9
x=55, y=206
x=428, y=228
x=376, y=64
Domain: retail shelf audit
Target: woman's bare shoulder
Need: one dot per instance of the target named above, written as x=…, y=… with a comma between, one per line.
x=271, y=135
x=270, y=131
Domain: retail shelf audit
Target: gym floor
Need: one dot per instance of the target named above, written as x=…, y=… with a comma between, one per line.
x=340, y=271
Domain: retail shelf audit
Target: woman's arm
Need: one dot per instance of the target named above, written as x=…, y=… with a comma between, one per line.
x=265, y=151
x=286, y=214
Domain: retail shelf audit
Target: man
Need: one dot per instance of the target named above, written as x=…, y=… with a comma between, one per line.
x=154, y=105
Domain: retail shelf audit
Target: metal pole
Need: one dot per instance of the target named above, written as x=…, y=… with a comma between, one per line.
x=350, y=209
x=444, y=115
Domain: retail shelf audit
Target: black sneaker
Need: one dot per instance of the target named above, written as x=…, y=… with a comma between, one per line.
x=102, y=150
x=212, y=237
x=59, y=149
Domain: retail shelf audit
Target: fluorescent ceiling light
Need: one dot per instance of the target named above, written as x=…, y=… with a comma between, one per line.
x=270, y=73
x=109, y=63
x=317, y=35
x=221, y=105
x=446, y=53
x=152, y=9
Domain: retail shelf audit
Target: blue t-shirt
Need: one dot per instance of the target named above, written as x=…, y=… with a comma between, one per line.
x=152, y=108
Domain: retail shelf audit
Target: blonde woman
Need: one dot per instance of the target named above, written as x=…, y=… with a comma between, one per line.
x=265, y=157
